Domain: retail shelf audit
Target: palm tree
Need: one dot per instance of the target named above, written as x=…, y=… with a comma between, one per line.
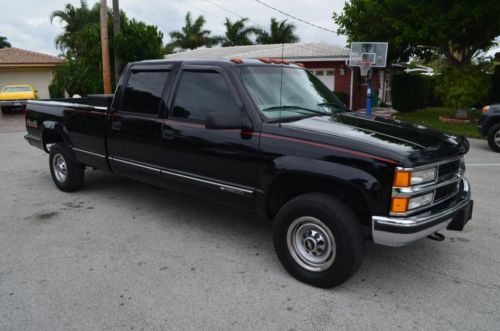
x=279, y=32
x=192, y=34
x=75, y=19
x=4, y=43
x=237, y=33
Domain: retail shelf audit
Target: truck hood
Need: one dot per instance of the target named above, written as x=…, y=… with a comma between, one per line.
x=417, y=143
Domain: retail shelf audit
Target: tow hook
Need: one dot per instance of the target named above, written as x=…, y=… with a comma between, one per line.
x=436, y=236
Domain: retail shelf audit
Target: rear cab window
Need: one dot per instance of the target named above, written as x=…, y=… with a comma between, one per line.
x=143, y=91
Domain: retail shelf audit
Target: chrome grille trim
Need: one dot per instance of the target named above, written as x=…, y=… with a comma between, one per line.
x=430, y=187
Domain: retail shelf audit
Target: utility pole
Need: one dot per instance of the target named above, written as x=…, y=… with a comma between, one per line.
x=116, y=32
x=106, y=73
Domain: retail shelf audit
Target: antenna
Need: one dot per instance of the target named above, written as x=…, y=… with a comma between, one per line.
x=281, y=81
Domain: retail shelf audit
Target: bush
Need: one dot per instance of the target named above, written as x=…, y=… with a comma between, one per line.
x=412, y=91
x=344, y=97
x=462, y=88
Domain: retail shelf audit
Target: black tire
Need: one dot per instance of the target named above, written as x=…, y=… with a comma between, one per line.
x=494, y=133
x=340, y=222
x=5, y=110
x=74, y=171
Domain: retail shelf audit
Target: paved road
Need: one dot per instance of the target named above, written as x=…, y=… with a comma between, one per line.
x=122, y=255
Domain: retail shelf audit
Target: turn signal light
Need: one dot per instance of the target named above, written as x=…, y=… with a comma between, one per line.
x=399, y=205
x=402, y=179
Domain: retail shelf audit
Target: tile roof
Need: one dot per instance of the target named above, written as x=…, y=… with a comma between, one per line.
x=290, y=51
x=17, y=56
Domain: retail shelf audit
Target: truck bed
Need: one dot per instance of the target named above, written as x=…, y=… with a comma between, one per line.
x=81, y=121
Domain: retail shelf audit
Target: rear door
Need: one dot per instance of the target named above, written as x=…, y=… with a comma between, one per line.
x=216, y=164
x=134, y=132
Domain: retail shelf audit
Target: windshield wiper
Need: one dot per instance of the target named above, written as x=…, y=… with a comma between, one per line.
x=341, y=107
x=296, y=107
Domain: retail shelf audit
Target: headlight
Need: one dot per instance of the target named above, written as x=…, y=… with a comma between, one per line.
x=404, y=204
x=420, y=201
x=404, y=178
x=423, y=176
x=486, y=109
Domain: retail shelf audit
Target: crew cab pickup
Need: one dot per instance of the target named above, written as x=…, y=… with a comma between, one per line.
x=269, y=138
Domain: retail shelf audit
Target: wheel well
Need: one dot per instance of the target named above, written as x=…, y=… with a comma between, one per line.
x=50, y=137
x=287, y=187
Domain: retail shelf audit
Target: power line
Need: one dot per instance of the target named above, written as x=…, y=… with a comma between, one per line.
x=201, y=10
x=294, y=17
x=236, y=14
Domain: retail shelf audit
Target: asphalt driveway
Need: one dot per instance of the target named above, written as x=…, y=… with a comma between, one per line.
x=122, y=255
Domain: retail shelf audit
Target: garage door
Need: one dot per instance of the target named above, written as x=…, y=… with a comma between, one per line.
x=327, y=76
x=39, y=78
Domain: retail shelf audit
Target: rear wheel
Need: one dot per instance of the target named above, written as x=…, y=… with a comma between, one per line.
x=66, y=172
x=494, y=137
x=5, y=110
x=318, y=239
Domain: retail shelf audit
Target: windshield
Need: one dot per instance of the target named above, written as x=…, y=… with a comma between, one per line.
x=17, y=89
x=301, y=93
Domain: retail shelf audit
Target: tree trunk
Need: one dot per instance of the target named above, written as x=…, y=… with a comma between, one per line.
x=461, y=113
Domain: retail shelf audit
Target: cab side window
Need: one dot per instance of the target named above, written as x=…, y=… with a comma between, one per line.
x=144, y=91
x=200, y=93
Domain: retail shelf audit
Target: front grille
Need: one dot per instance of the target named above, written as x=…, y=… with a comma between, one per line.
x=446, y=192
x=449, y=168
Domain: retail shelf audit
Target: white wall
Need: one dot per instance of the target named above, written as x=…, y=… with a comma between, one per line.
x=40, y=78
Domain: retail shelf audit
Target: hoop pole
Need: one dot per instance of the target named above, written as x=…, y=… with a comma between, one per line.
x=368, y=95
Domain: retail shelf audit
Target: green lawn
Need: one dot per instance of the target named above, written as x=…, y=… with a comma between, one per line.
x=430, y=117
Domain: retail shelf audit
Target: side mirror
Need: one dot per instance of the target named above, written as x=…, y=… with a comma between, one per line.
x=228, y=120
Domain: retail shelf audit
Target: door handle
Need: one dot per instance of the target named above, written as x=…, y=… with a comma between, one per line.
x=168, y=133
x=116, y=126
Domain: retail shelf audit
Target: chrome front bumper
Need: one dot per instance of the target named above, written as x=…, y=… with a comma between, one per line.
x=13, y=103
x=396, y=231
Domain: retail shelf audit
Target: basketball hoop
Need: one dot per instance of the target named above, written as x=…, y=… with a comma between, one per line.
x=364, y=67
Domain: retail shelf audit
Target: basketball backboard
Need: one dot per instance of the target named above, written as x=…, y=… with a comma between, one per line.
x=374, y=53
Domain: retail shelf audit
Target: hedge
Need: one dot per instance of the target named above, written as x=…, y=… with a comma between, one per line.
x=412, y=91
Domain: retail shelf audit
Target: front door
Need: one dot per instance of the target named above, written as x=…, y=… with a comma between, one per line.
x=218, y=164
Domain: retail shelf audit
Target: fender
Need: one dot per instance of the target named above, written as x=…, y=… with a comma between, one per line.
x=369, y=187
x=57, y=128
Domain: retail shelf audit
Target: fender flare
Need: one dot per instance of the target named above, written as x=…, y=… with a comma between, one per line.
x=57, y=128
x=371, y=189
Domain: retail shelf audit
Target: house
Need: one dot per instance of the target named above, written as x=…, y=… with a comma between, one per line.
x=329, y=62
x=20, y=66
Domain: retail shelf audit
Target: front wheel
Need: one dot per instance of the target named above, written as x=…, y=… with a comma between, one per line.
x=66, y=172
x=494, y=137
x=318, y=239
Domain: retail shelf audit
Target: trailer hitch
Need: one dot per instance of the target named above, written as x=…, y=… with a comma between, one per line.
x=436, y=236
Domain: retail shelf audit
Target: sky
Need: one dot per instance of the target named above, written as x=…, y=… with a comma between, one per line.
x=28, y=25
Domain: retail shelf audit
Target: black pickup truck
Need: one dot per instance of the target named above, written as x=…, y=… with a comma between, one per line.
x=269, y=138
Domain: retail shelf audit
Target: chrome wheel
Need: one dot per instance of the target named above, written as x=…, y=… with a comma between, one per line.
x=311, y=243
x=59, y=167
x=496, y=138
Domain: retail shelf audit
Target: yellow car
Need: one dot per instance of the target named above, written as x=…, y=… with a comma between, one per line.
x=16, y=96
